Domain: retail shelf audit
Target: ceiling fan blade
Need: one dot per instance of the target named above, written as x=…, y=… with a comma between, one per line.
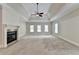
x=41, y=13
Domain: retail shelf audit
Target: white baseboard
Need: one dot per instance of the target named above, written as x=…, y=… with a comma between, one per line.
x=72, y=42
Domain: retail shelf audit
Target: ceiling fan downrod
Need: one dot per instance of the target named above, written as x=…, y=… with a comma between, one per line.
x=37, y=7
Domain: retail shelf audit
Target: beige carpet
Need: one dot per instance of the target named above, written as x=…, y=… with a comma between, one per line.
x=40, y=46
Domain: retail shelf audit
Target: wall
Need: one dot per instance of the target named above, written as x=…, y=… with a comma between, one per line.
x=11, y=17
x=69, y=27
x=35, y=28
x=70, y=30
x=22, y=30
x=0, y=26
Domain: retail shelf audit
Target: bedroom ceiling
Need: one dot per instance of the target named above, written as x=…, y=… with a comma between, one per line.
x=53, y=10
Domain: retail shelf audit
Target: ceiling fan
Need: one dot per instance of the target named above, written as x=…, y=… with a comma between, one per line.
x=38, y=13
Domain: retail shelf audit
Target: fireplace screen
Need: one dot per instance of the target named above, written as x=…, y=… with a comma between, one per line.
x=11, y=36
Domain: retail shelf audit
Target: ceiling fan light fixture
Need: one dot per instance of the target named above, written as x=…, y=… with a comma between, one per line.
x=37, y=15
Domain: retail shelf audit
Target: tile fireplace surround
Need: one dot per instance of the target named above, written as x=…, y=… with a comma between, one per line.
x=7, y=28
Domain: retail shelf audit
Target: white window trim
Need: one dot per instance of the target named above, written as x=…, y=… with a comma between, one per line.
x=46, y=28
x=31, y=28
x=38, y=28
x=56, y=27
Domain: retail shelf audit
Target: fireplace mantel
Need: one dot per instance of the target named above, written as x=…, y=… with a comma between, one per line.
x=11, y=26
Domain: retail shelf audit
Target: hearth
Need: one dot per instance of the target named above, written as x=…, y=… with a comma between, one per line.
x=11, y=36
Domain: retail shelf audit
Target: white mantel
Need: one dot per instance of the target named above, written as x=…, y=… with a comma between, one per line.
x=12, y=27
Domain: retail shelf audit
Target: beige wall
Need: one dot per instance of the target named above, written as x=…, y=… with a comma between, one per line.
x=69, y=27
x=11, y=17
x=35, y=28
x=0, y=26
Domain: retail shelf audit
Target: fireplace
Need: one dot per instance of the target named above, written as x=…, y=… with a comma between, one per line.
x=11, y=36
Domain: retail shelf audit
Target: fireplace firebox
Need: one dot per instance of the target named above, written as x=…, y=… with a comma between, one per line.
x=11, y=36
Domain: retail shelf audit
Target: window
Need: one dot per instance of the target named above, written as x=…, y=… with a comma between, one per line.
x=46, y=28
x=56, y=27
x=31, y=28
x=38, y=28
